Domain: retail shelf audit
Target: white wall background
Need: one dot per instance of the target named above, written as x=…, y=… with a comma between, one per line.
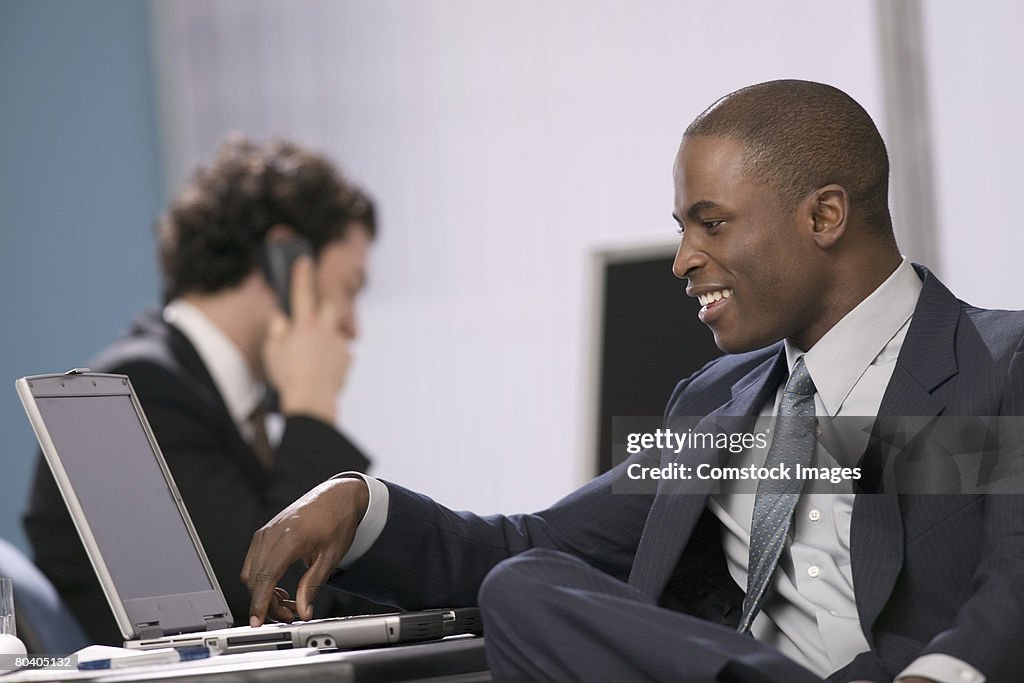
x=976, y=81
x=503, y=141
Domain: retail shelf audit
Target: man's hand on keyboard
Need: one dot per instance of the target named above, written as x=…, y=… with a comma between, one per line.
x=318, y=529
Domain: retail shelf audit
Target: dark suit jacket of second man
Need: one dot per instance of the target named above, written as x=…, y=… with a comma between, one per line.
x=228, y=492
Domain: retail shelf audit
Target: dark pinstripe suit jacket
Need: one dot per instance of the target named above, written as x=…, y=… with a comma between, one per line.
x=932, y=573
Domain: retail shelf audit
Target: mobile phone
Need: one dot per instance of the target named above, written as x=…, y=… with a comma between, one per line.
x=278, y=260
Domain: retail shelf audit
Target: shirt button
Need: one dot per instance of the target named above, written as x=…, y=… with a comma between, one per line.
x=813, y=571
x=814, y=515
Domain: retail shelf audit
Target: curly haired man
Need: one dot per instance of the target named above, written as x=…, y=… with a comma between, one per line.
x=200, y=364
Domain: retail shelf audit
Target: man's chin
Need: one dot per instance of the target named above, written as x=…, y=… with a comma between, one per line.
x=737, y=344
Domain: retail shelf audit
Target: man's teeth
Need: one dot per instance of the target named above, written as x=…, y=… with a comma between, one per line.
x=712, y=297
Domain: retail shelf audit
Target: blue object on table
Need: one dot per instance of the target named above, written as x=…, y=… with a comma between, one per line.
x=185, y=654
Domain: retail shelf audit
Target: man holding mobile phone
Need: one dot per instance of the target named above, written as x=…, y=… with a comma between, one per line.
x=210, y=365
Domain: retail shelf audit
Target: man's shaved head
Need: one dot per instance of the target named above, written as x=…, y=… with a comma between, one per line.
x=801, y=135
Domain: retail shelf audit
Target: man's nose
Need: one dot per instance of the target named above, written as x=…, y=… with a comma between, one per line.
x=687, y=258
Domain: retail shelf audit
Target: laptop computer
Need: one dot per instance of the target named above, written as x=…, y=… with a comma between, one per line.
x=142, y=544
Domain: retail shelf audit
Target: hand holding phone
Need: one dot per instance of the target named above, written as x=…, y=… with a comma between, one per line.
x=305, y=354
x=279, y=256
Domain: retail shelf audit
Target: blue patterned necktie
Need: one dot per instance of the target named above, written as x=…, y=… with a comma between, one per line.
x=776, y=498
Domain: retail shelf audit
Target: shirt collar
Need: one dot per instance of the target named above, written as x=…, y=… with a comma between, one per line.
x=845, y=352
x=237, y=385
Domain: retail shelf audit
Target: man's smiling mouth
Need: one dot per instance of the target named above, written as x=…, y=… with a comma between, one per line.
x=712, y=297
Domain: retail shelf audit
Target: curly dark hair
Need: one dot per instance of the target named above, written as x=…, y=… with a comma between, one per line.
x=211, y=236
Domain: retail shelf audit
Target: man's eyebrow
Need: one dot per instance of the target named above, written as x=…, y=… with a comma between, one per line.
x=693, y=212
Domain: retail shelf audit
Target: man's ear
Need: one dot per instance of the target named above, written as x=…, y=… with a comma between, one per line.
x=829, y=211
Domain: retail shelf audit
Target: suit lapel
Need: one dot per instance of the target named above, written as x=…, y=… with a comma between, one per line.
x=927, y=359
x=680, y=503
x=187, y=356
x=151, y=325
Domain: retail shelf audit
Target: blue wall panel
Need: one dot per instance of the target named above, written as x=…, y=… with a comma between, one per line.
x=79, y=191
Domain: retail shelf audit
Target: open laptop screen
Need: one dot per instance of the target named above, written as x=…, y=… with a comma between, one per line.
x=114, y=471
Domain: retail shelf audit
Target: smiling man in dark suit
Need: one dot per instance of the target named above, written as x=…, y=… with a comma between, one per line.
x=200, y=364
x=781, y=200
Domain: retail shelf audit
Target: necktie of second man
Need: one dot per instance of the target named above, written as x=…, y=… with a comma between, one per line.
x=260, y=442
x=776, y=498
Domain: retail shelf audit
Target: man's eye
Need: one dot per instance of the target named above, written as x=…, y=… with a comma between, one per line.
x=680, y=230
x=711, y=225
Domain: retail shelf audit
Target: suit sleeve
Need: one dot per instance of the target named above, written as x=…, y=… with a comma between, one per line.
x=428, y=555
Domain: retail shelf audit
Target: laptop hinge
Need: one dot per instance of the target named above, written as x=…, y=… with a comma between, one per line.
x=148, y=630
x=215, y=621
